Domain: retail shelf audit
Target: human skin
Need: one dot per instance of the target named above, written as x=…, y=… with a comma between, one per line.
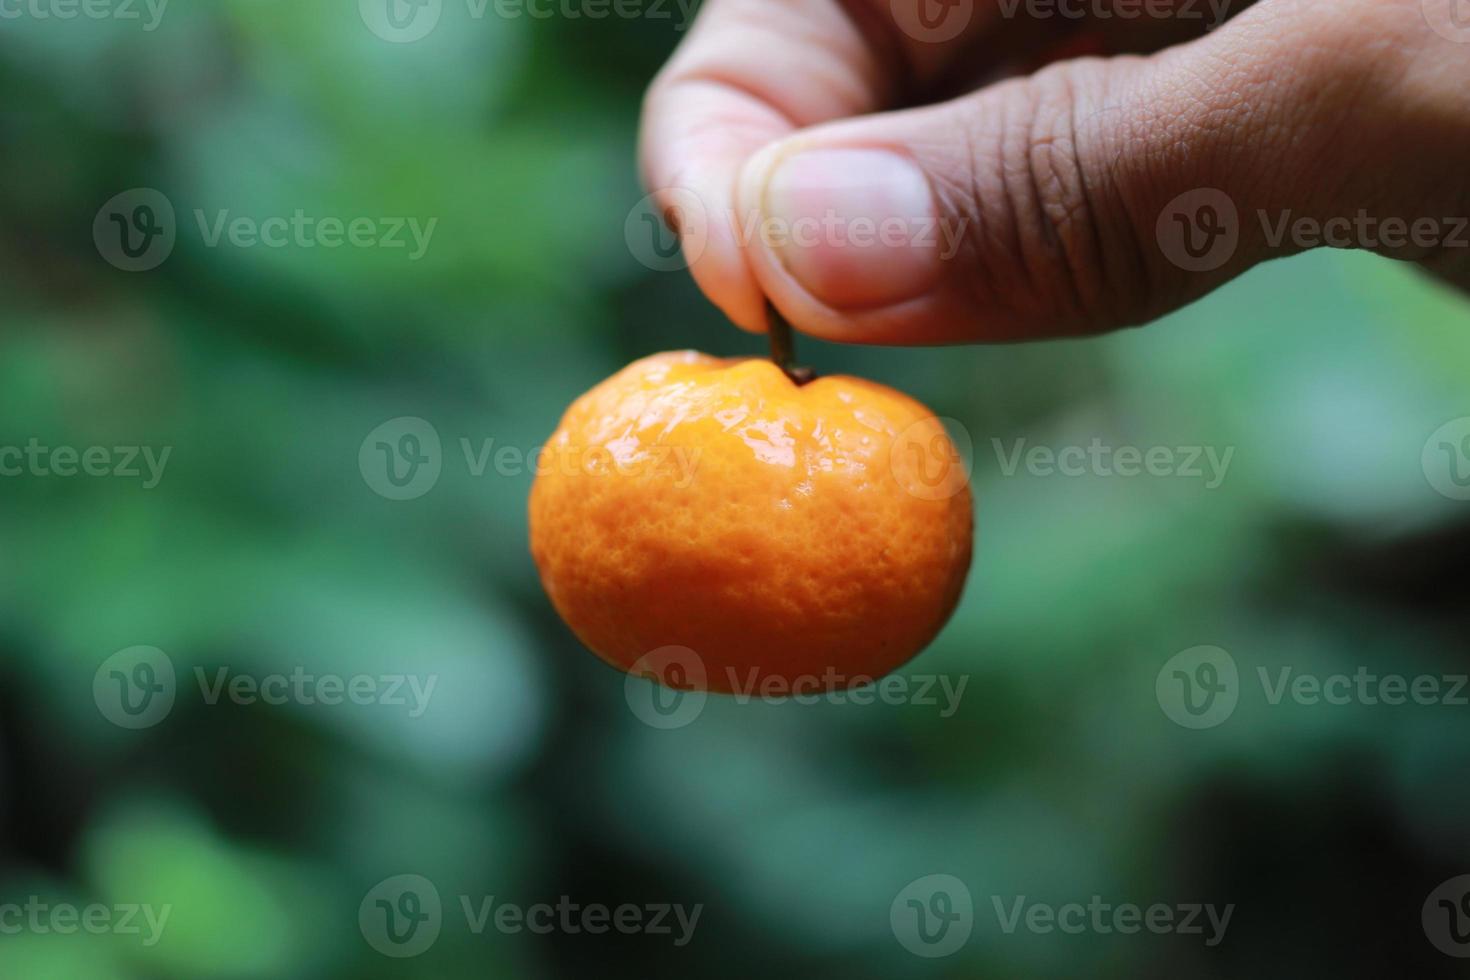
x=1035, y=205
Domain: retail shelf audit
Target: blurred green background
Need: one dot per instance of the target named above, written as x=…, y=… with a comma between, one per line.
x=264, y=548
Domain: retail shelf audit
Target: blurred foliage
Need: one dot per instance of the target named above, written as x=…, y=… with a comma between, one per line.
x=263, y=549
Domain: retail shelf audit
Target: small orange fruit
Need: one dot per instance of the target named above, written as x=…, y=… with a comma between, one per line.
x=795, y=535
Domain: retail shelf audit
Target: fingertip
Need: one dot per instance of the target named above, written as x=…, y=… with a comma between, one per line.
x=832, y=241
x=723, y=274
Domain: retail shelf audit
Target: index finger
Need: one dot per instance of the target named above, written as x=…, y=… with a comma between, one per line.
x=754, y=71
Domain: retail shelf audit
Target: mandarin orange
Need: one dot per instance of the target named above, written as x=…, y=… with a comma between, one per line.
x=814, y=535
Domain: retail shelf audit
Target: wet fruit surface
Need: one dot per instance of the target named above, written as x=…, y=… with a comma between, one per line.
x=798, y=535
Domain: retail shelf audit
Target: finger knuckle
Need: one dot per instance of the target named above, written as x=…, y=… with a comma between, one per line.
x=1079, y=253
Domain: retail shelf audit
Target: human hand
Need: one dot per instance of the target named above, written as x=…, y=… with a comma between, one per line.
x=1092, y=194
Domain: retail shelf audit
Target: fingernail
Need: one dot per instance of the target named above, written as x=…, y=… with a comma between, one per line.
x=856, y=227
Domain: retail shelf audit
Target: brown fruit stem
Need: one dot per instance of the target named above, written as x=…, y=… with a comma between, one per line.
x=783, y=347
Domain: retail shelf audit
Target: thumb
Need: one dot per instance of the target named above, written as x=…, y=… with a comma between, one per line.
x=1094, y=194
